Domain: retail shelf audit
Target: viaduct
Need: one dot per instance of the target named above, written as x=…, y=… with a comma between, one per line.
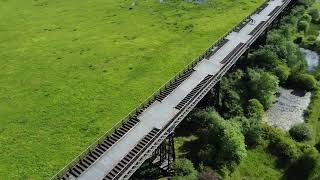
x=148, y=131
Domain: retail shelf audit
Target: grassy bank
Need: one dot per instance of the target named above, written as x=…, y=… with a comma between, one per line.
x=313, y=118
x=257, y=165
x=71, y=69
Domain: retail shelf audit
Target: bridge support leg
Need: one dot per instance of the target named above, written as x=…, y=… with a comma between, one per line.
x=261, y=40
x=217, y=96
x=243, y=62
x=164, y=156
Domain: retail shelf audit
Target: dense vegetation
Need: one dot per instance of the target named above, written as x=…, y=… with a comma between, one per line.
x=71, y=69
x=226, y=138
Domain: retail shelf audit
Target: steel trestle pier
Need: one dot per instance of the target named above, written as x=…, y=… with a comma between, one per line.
x=119, y=155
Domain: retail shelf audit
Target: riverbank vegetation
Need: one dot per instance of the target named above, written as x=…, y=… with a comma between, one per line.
x=255, y=149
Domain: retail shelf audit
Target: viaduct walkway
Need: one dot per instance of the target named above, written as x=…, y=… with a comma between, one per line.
x=119, y=155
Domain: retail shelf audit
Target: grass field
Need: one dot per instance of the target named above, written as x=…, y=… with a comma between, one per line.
x=257, y=165
x=69, y=70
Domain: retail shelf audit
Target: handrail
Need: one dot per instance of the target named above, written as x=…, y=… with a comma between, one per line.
x=152, y=97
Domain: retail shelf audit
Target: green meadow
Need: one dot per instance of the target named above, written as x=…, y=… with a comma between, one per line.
x=71, y=69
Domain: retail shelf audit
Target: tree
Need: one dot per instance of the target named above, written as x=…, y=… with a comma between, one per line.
x=306, y=3
x=303, y=81
x=281, y=146
x=251, y=129
x=314, y=13
x=184, y=169
x=206, y=173
x=300, y=132
x=268, y=60
x=230, y=94
x=231, y=104
x=303, y=26
x=282, y=71
x=264, y=58
x=255, y=109
x=224, y=143
x=305, y=167
x=306, y=17
x=262, y=86
x=287, y=51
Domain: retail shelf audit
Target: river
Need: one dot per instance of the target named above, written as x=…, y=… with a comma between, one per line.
x=290, y=105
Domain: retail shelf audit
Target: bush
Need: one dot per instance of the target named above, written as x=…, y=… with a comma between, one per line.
x=207, y=174
x=230, y=99
x=184, y=167
x=262, y=86
x=281, y=146
x=224, y=145
x=306, y=3
x=255, y=109
x=300, y=132
x=310, y=42
x=253, y=136
x=305, y=167
x=251, y=129
x=268, y=60
x=303, y=81
x=306, y=17
x=303, y=26
x=264, y=58
x=282, y=71
x=314, y=13
x=287, y=51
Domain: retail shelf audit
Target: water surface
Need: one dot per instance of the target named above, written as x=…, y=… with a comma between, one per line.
x=312, y=59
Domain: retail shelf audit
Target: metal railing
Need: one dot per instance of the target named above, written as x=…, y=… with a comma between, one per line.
x=151, y=98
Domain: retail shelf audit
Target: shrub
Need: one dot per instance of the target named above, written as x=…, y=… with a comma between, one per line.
x=183, y=178
x=264, y=58
x=224, y=143
x=287, y=51
x=305, y=167
x=303, y=26
x=184, y=167
x=300, y=132
x=306, y=3
x=251, y=129
x=262, y=86
x=282, y=71
x=298, y=40
x=303, y=81
x=306, y=17
x=207, y=174
x=255, y=109
x=253, y=136
x=268, y=60
x=281, y=146
x=230, y=99
x=314, y=13
x=286, y=150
